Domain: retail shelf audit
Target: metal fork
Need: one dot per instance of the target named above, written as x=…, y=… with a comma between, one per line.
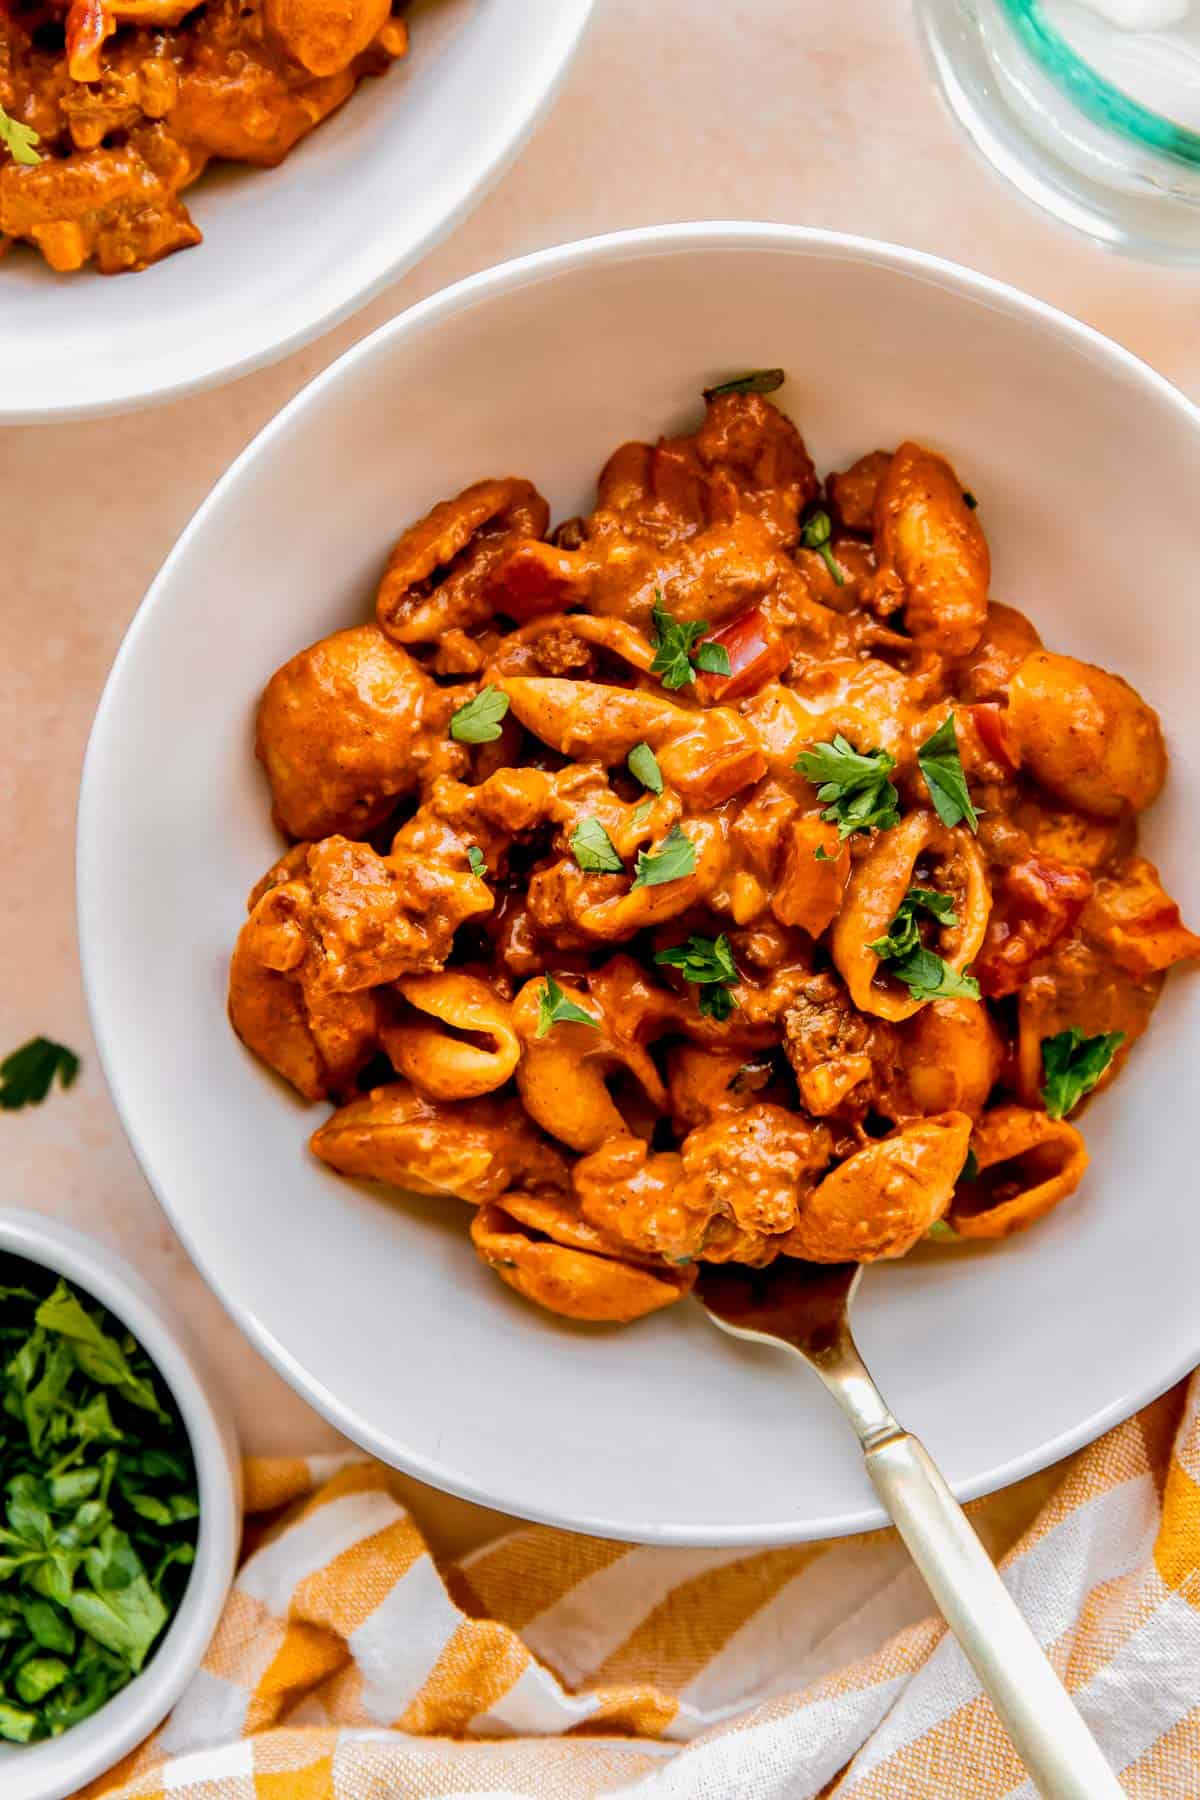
x=805, y=1308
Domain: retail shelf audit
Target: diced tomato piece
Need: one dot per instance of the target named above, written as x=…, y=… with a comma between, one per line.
x=756, y=655
x=1038, y=902
x=990, y=723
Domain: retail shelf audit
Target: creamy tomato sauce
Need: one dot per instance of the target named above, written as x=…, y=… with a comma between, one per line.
x=722, y=875
x=129, y=100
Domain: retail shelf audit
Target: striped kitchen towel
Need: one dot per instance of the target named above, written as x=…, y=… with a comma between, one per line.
x=349, y=1666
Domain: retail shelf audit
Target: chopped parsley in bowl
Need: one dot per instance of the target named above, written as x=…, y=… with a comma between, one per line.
x=99, y=1504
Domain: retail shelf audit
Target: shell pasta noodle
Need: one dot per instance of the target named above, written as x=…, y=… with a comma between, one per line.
x=720, y=876
x=111, y=109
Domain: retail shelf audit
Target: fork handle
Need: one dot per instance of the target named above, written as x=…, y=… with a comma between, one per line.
x=1050, y=1736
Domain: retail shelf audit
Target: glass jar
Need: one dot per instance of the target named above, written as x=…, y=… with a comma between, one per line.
x=1095, y=122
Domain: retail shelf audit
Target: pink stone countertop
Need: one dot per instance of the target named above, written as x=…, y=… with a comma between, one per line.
x=821, y=114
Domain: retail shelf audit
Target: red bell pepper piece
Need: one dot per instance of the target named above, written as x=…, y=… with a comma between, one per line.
x=1037, y=903
x=990, y=723
x=756, y=655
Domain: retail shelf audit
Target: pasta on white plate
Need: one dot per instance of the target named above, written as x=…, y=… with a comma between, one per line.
x=721, y=876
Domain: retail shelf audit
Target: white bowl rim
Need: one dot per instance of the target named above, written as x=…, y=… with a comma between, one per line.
x=60, y=1765
x=396, y=255
x=677, y=238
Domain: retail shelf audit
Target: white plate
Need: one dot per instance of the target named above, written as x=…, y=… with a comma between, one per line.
x=1087, y=466
x=287, y=252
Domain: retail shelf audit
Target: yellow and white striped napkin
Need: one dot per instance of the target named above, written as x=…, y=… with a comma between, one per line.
x=348, y=1666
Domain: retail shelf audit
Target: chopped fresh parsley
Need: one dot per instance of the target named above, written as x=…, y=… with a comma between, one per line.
x=712, y=659
x=98, y=1505
x=903, y=934
x=674, y=858
x=942, y=768
x=1072, y=1065
x=758, y=381
x=854, y=785
x=940, y=1232
x=716, y=1003
x=476, y=860
x=555, y=1009
x=19, y=139
x=815, y=535
x=594, y=850
x=821, y=854
x=643, y=766
x=478, y=722
x=923, y=972
x=970, y=1168
x=27, y=1075
x=641, y=813
x=673, y=643
x=676, y=658
x=927, y=977
x=708, y=962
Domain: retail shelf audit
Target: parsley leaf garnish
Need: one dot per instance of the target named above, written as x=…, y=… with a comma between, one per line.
x=927, y=977
x=923, y=972
x=19, y=139
x=98, y=1505
x=855, y=786
x=942, y=768
x=1072, y=1065
x=970, y=1168
x=641, y=813
x=815, y=535
x=555, y=1009
x=476, y=859
x=903, y=934
x=675, y=857
x=939, y=1230
x=758, y=381
x=708, y=962
x=716, y=1003
x=675, y=660
x=672, y=647
x=712, y=659
x=478, y=722
x=594, y=850
x=28, y=1074
x=643, y=766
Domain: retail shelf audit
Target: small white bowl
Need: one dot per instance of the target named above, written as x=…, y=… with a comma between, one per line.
x=374, y=1306
x=57, y=1767
x=287, y=252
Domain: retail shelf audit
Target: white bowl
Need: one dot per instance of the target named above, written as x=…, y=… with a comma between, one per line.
x=287, y=252
x=57, y=1767
x=1087, y=466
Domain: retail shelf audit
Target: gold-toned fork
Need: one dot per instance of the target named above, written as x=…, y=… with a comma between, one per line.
x=805, y=1308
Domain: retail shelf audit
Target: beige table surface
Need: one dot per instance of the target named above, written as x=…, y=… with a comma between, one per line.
x=817, y=112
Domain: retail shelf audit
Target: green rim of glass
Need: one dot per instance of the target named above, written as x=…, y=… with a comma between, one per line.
x=1098, y=98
